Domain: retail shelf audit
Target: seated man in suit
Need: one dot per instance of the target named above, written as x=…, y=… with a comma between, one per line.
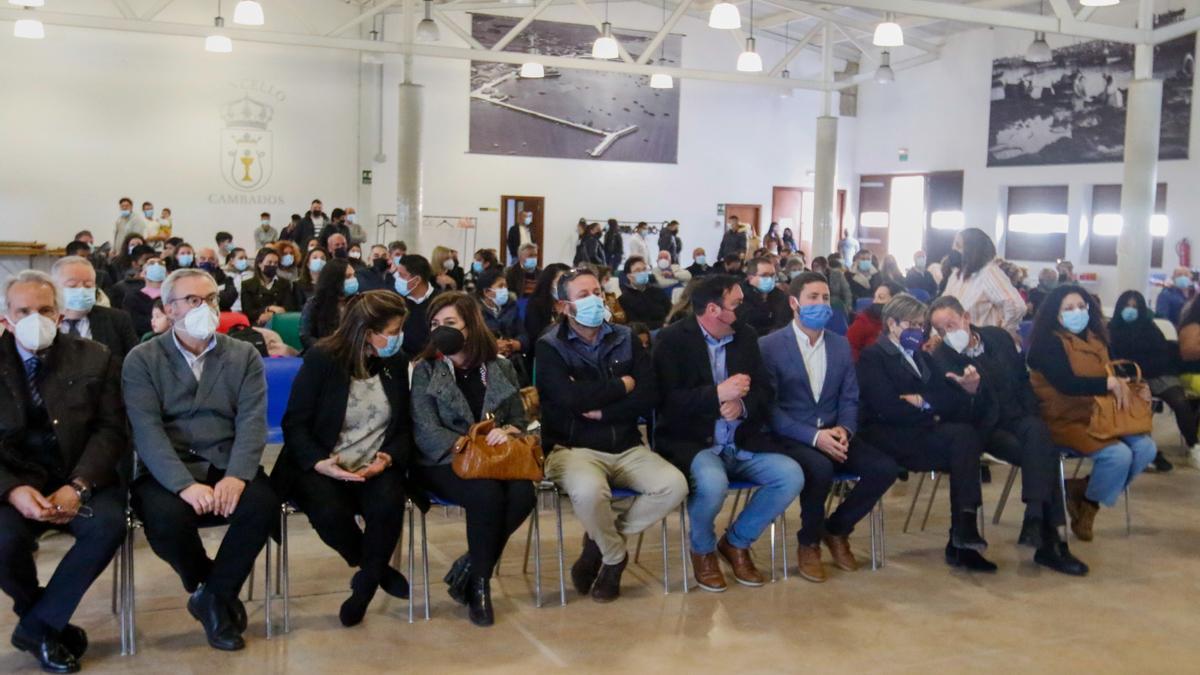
x=986, y=368
x=82, y=317
x=920, y=422
x=815, y=415
x=197, y=402
x=595, y=382
x=62, y=436
x=710, y=425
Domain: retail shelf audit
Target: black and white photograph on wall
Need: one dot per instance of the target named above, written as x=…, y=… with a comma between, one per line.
x=1070, y=108
x=571, y=113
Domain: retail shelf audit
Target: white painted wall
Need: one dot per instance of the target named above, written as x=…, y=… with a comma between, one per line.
x=939, y=112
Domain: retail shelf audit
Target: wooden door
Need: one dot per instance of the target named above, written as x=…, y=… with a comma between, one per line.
x=749, y=214
x=511, y=208
x=795, y=204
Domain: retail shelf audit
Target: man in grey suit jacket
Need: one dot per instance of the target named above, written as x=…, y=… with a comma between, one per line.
x=197, y=404
x=816, y=423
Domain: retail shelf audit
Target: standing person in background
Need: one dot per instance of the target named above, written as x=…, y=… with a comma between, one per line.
x=313, y=222
x=336, y=225
x=1134, y=336
x=591, y=250
x=637, y=243
x=614, y=244
x=266, y=294
x=950, y=265
x=288, y=233
x=699, y=266
x=1174, y=295
x=765, y=306
x=166, y=224
x=669, y=241
x=519, y=234
x=139, y=303
x=771, y=241
x=789, y=241
x=981, y=285
x=918, y=275
x=733, y=242
x=264, y=234
x=891, y=271
x=154, y=233
x=522, y=274
x=543, y=307
x=357, y=234
x=127, y=223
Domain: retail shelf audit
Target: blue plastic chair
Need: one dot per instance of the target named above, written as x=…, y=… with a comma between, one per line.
x=522, y=305
x=280, y=373
x=862, y=303
x=920, y=294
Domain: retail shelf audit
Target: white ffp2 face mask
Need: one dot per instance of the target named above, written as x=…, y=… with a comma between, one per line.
x=35, y=332
x=201, y=322
x=958, y=339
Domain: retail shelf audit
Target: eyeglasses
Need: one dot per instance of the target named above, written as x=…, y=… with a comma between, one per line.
x=195, y=301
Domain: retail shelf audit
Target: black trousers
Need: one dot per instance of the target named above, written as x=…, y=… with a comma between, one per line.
x=952, y=447
x=1026, y=442
x=96, y=541
x=876, y=470
x=1185, y=413
x=495, y=509
x=173, y=530
x=332, y=504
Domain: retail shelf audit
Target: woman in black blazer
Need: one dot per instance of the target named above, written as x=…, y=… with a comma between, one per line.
x=923, y=424
x=266, y=293
x=347, y=438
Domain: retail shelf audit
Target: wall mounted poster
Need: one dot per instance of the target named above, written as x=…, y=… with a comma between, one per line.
x=1071, y=110
x=571, y=113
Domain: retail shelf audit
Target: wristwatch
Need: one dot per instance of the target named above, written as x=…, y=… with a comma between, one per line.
x=82, y=489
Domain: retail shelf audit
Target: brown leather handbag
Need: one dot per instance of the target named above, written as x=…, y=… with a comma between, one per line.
x=1109, y=422
x=518, y=458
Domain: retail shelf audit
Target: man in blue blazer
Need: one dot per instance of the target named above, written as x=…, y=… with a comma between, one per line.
x=815, y=417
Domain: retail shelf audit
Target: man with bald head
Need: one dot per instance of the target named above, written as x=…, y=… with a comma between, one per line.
x=62, y=437
x=81, y=316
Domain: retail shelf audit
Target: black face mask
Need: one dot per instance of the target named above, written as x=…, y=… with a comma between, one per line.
x=269, y=271
x=340, y=252
x=447, y=340
x=380, y=264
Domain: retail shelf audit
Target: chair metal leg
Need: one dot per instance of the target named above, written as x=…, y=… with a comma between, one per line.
x=412, y=566
x=666, y=561
x=528, y=544
x=1128, y=516
x=1062, y=485
x=127, y=604
x=116, y=568
x=874, y=538
x=250, y=584
x=285, y=581
x=772, y=536
x=882, y=538
x=637, y=551
x=683, y=544
x=783, y=543
x=1012, y=478
x=267, y=591
x=916, y=495
x=535, y=532
x=937, y=479
x=562, y=576
x=424, y=564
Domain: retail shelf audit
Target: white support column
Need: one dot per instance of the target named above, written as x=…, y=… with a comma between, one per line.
x=1143, y=114
x=824, y=190
x=408, y=165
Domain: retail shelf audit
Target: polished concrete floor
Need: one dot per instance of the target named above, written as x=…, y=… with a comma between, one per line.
x=1137, y=611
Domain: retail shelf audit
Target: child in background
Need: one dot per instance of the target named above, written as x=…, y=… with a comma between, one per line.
x=159, y=323
x=642, y=332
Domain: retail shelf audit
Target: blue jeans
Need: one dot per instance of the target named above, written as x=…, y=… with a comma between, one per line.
x=780, y=479
x=1114, y=467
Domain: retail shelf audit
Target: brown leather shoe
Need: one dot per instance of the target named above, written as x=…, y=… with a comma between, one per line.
x=809, y=558
x=1081, y=511
x=839, y=550
x=744, y=570
x=708, y=572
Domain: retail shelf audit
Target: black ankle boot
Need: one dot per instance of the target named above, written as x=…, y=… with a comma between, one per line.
x=969, y=560
x=965, y=533
x=1056, y=555
x=480, y=607
x=458, y=579
x=362, y=590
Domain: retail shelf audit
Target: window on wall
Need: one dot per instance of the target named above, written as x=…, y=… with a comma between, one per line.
x=1106, y=225
x=1036, y=226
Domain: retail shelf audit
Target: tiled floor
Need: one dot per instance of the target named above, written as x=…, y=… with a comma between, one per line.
x=1137, y=612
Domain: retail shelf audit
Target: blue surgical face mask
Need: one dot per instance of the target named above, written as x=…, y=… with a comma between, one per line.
x=287, y=260
x=1183, y=283
x=402, y=286
x=184, y=259
x=316, y=265
x=766, y=284
x=396, y=260
x=350, y=286
x=125, y=213
x=589, y=311
x=79, y=299
x=530, y=264
x=392, y=346
x=501, y=296
x=476, y=266
x=1075, y=320
x=149, y=213
x=701, y=260
x=920, y=261
x=641, y=278
x=864, y=266
x=352, y=218
x=1129, y=314
x=241, y=264
x=156, y=272
x=911, y=339
x=814, y=317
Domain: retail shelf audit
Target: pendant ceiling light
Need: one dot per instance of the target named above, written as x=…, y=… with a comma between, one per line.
x=884, y=74
x=888, y=33
x=1098, y=3
x=605, y=46
x=427, y=30
x=248, y=13
x=786, y=74
x=725, y=16
x=217, y=42
x=749, y=61
x=662, y=80
x=30, y=29
x=28, y=3
x=1039, y=49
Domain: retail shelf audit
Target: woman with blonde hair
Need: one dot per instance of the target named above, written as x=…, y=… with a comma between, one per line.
x=444, y=262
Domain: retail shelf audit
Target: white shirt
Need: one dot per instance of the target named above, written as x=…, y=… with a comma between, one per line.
x=637, y=247
x=990, y=297
x=814, y=359
x=194, y=361
x=526, y=235
x=423, y=298
x=82, y=326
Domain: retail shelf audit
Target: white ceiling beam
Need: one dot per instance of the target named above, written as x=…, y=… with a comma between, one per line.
x=369, y=14
x=1062, y=9
x=870, y=54
x=260, y=36
x=795, y=51
x=156, y=9
x=290, y=9
x=521, y=25
x=596, y=22
x=663, y=32
x=1085, y=13
x=906, y=64
x=1175, y=30
x=847, y=22
x=461, y=32
x=1001, y=18
x=124, y=8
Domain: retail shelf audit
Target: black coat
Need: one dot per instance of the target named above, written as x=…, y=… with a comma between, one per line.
x=513, y=240
x=140, y=308
x=1004, y=392
x=671, y=243
x=590, y=251
x=256, y=297
x=614, y=244
x=732, y=243
x=884, y=375
x=317, y=409
x=114, y=329
x=305, y=231
x=648, y=305
x=80, y=384
x=764, y=313
x=688, y=406
x=1143, y=343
